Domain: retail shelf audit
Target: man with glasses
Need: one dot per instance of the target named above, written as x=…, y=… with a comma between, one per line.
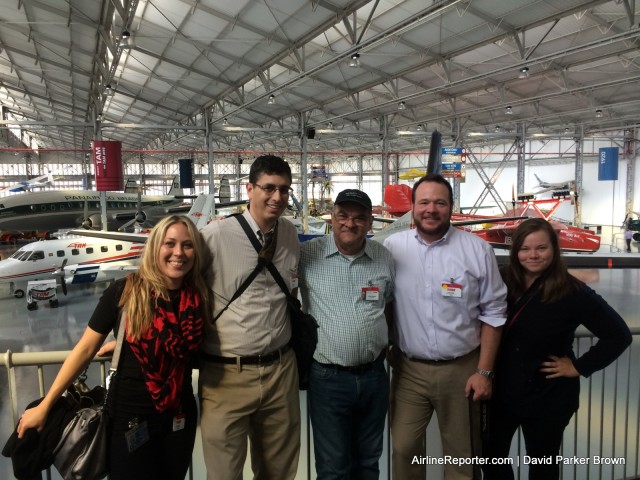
x=346, y=280
x=248, y=375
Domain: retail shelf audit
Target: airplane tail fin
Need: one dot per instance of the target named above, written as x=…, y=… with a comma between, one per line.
x=224, y=194
x=131, y=186
x=398, y=199
x=175, y=189
x=538, y=178
x=412, y=173
x=203, y=210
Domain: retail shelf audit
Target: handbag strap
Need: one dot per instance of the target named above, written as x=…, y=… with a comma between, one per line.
x=119, y=340
x=270, y=266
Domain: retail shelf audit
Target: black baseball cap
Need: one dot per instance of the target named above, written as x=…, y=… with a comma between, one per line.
x=354, y=196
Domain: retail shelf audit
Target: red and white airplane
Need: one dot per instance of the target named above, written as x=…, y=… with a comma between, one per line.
x=498, y=231
x=83, y=258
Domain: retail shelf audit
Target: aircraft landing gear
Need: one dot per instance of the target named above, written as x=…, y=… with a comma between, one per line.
x=18, y=293
x=32, y=305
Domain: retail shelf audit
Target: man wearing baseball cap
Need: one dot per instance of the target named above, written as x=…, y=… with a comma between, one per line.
x=345, y=281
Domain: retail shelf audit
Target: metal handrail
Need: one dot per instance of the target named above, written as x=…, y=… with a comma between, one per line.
x=622, y=430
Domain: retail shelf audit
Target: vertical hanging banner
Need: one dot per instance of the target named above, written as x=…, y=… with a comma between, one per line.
x=185, y=166
x=107, y=161
x=454, y=163
x=608, y=164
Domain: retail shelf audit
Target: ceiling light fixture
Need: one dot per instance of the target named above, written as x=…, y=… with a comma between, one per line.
x=402, y=106
x=109, y=90
x=497, y=129
x=272, y=100
x=330, y=125
x=509, y=110
x=355, y=60
x=599, y=113
x=225, y=122
x=524, y=72
x=566, y=130
x=125, y=40
x=419, y=127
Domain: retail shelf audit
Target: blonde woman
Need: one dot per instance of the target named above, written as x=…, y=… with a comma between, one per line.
x=165, y=307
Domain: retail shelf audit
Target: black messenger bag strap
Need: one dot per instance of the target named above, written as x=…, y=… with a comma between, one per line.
x=250, y=233
x=256, y=244
x=255, y=271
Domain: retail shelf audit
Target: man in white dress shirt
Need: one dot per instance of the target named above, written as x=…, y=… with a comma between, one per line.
x=449, y=308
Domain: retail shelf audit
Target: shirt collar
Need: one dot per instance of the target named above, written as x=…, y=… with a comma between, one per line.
x=254, y=226
x=440, y=241
x=332, y=249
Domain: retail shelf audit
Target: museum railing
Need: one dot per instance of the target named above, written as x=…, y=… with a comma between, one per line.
x=602, y=441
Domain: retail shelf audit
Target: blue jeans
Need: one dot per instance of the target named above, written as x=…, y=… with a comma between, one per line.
x=348, y=413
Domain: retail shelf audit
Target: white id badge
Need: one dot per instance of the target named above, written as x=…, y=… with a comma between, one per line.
x=179, y=422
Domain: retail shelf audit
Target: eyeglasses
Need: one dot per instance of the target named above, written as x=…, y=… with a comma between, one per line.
x=270, y=189
x=360, y=220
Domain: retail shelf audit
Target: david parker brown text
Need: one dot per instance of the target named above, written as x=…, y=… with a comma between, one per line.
x=525, y=460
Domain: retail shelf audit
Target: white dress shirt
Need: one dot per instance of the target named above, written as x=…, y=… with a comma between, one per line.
x=430, y=322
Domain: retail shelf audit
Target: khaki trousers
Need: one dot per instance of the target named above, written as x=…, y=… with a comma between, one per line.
x=259, y=403
x=417, y=390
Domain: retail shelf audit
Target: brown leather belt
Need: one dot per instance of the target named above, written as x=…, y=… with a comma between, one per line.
x=261, y=359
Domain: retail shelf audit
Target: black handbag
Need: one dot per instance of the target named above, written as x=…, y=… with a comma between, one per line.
x=304, y=328
x=81, y=453
x=304, y=335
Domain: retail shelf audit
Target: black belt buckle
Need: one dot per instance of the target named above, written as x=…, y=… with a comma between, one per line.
x=265, y=359
x=359, y=369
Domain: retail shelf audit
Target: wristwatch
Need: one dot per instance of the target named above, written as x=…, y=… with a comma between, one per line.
x=485, y=373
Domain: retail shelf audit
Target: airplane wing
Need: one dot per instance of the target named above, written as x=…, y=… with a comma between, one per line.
x=36, y=182
x=98, y=272
x=479, y=221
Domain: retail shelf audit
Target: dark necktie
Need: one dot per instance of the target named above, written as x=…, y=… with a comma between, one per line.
x=269, y=244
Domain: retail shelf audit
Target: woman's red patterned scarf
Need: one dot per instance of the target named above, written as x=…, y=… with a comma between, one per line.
x=165, y=348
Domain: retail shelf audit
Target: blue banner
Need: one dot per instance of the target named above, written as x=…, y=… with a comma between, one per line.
x=608, y=164
x=185, y=166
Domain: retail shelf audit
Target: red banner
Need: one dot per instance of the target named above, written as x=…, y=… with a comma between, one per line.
x=107, y=161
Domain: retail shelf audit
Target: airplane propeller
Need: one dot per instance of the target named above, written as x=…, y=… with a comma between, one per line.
x=59, y=274
x=140, y=217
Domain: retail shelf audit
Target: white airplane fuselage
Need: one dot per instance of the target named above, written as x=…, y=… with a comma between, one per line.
x=88, y=260
x=54, y=210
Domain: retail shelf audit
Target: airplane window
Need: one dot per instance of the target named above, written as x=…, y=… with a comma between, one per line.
x=37, y=255
x=104, y=248
x=60, y=253
x=18, y=254
x=118, y=248
x=89, y=250
x=75, y=251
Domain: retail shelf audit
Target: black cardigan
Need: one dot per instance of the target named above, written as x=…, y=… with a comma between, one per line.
x=535, y=330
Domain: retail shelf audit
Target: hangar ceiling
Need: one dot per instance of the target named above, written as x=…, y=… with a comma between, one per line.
x=199, y=67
